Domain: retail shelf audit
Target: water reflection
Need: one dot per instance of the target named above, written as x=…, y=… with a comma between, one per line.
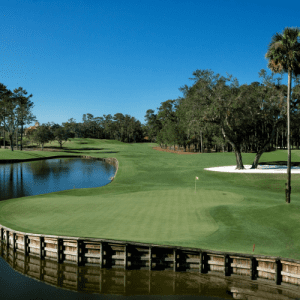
x=93, y=279
x=52, y=175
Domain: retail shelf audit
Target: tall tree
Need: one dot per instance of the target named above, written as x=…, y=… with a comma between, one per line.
x=167, y=117
x=43, y=134
x=62, y=134
x=9, y=116
x=70, y=125
x=284, y=55
x=221, y=104
x=265, y=103
x=5, y=94
x=108, y=126
x=153, y=125
x=24, y=115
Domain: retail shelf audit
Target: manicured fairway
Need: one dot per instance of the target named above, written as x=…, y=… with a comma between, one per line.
x=153, y=200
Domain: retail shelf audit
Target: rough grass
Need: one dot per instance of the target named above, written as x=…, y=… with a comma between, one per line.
x=152, y=199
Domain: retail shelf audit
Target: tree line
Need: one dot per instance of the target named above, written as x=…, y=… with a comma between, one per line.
x=218, y=112
x=15, y=112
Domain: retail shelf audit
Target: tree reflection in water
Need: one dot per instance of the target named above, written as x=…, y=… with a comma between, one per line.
x=62, y=280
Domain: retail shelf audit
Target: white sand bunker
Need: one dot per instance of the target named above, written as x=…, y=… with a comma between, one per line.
x=260, y=169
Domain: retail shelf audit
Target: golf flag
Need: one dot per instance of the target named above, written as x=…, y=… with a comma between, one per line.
x=197, y=178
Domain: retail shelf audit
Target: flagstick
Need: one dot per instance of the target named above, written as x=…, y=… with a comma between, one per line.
x=195, y=184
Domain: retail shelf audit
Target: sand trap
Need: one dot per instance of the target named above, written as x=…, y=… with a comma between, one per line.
x=261, y=169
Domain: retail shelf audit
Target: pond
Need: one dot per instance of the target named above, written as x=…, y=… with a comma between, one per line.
x=28, y=277
x=52, y=175
x=31, y=278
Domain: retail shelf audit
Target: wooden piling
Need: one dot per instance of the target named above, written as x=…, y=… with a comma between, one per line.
x=42, y=246
x=226, y=265
x=253, y=270
x=278, y=268
x=174, y=260
x=150, y=258
x=7, y=239
x=59, y=250
x=125, y=256
x=78, y=254
x=202, y=262
x=14, y=241
x=101, y=254
x=26, y=245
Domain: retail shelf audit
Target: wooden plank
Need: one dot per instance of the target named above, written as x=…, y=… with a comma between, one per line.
x=290, y=274
x=70, y=253
x=146, y=257
x=50, y=249
x=284, y=262
x=217, y=263
x=265, y=270
x=70, y=244
x=193, y=260
x=91, y=255
x=240, y=266
x=265, y=259
x=33, y=247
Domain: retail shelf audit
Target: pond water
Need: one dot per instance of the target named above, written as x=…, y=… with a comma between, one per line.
x=25, y=278
x=31, y=278
x=52, y=175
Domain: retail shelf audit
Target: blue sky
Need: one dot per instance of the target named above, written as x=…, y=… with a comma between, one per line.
x=107, y=57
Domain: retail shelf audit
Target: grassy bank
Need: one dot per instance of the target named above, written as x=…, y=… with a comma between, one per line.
x=152, y=199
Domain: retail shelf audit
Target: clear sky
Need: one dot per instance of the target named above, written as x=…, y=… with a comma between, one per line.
x=106, y=57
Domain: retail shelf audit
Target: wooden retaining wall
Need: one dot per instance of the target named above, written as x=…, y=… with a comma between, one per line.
x=132, y=255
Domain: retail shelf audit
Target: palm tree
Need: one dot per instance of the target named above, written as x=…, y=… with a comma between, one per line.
x=284, y=56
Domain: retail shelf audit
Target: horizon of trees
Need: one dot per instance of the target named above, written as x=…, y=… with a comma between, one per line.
x=215, y=112
x=15, y=112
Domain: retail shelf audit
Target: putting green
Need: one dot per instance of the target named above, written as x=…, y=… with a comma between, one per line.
x=152, y=199
x=169, y=216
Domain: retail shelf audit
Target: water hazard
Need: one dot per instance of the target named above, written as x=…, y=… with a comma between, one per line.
x=47, y=279
x=52, y=175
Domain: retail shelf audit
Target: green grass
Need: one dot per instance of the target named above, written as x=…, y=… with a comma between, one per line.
x=152, y=199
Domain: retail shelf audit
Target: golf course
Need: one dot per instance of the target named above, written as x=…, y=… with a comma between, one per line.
x=154, y=198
